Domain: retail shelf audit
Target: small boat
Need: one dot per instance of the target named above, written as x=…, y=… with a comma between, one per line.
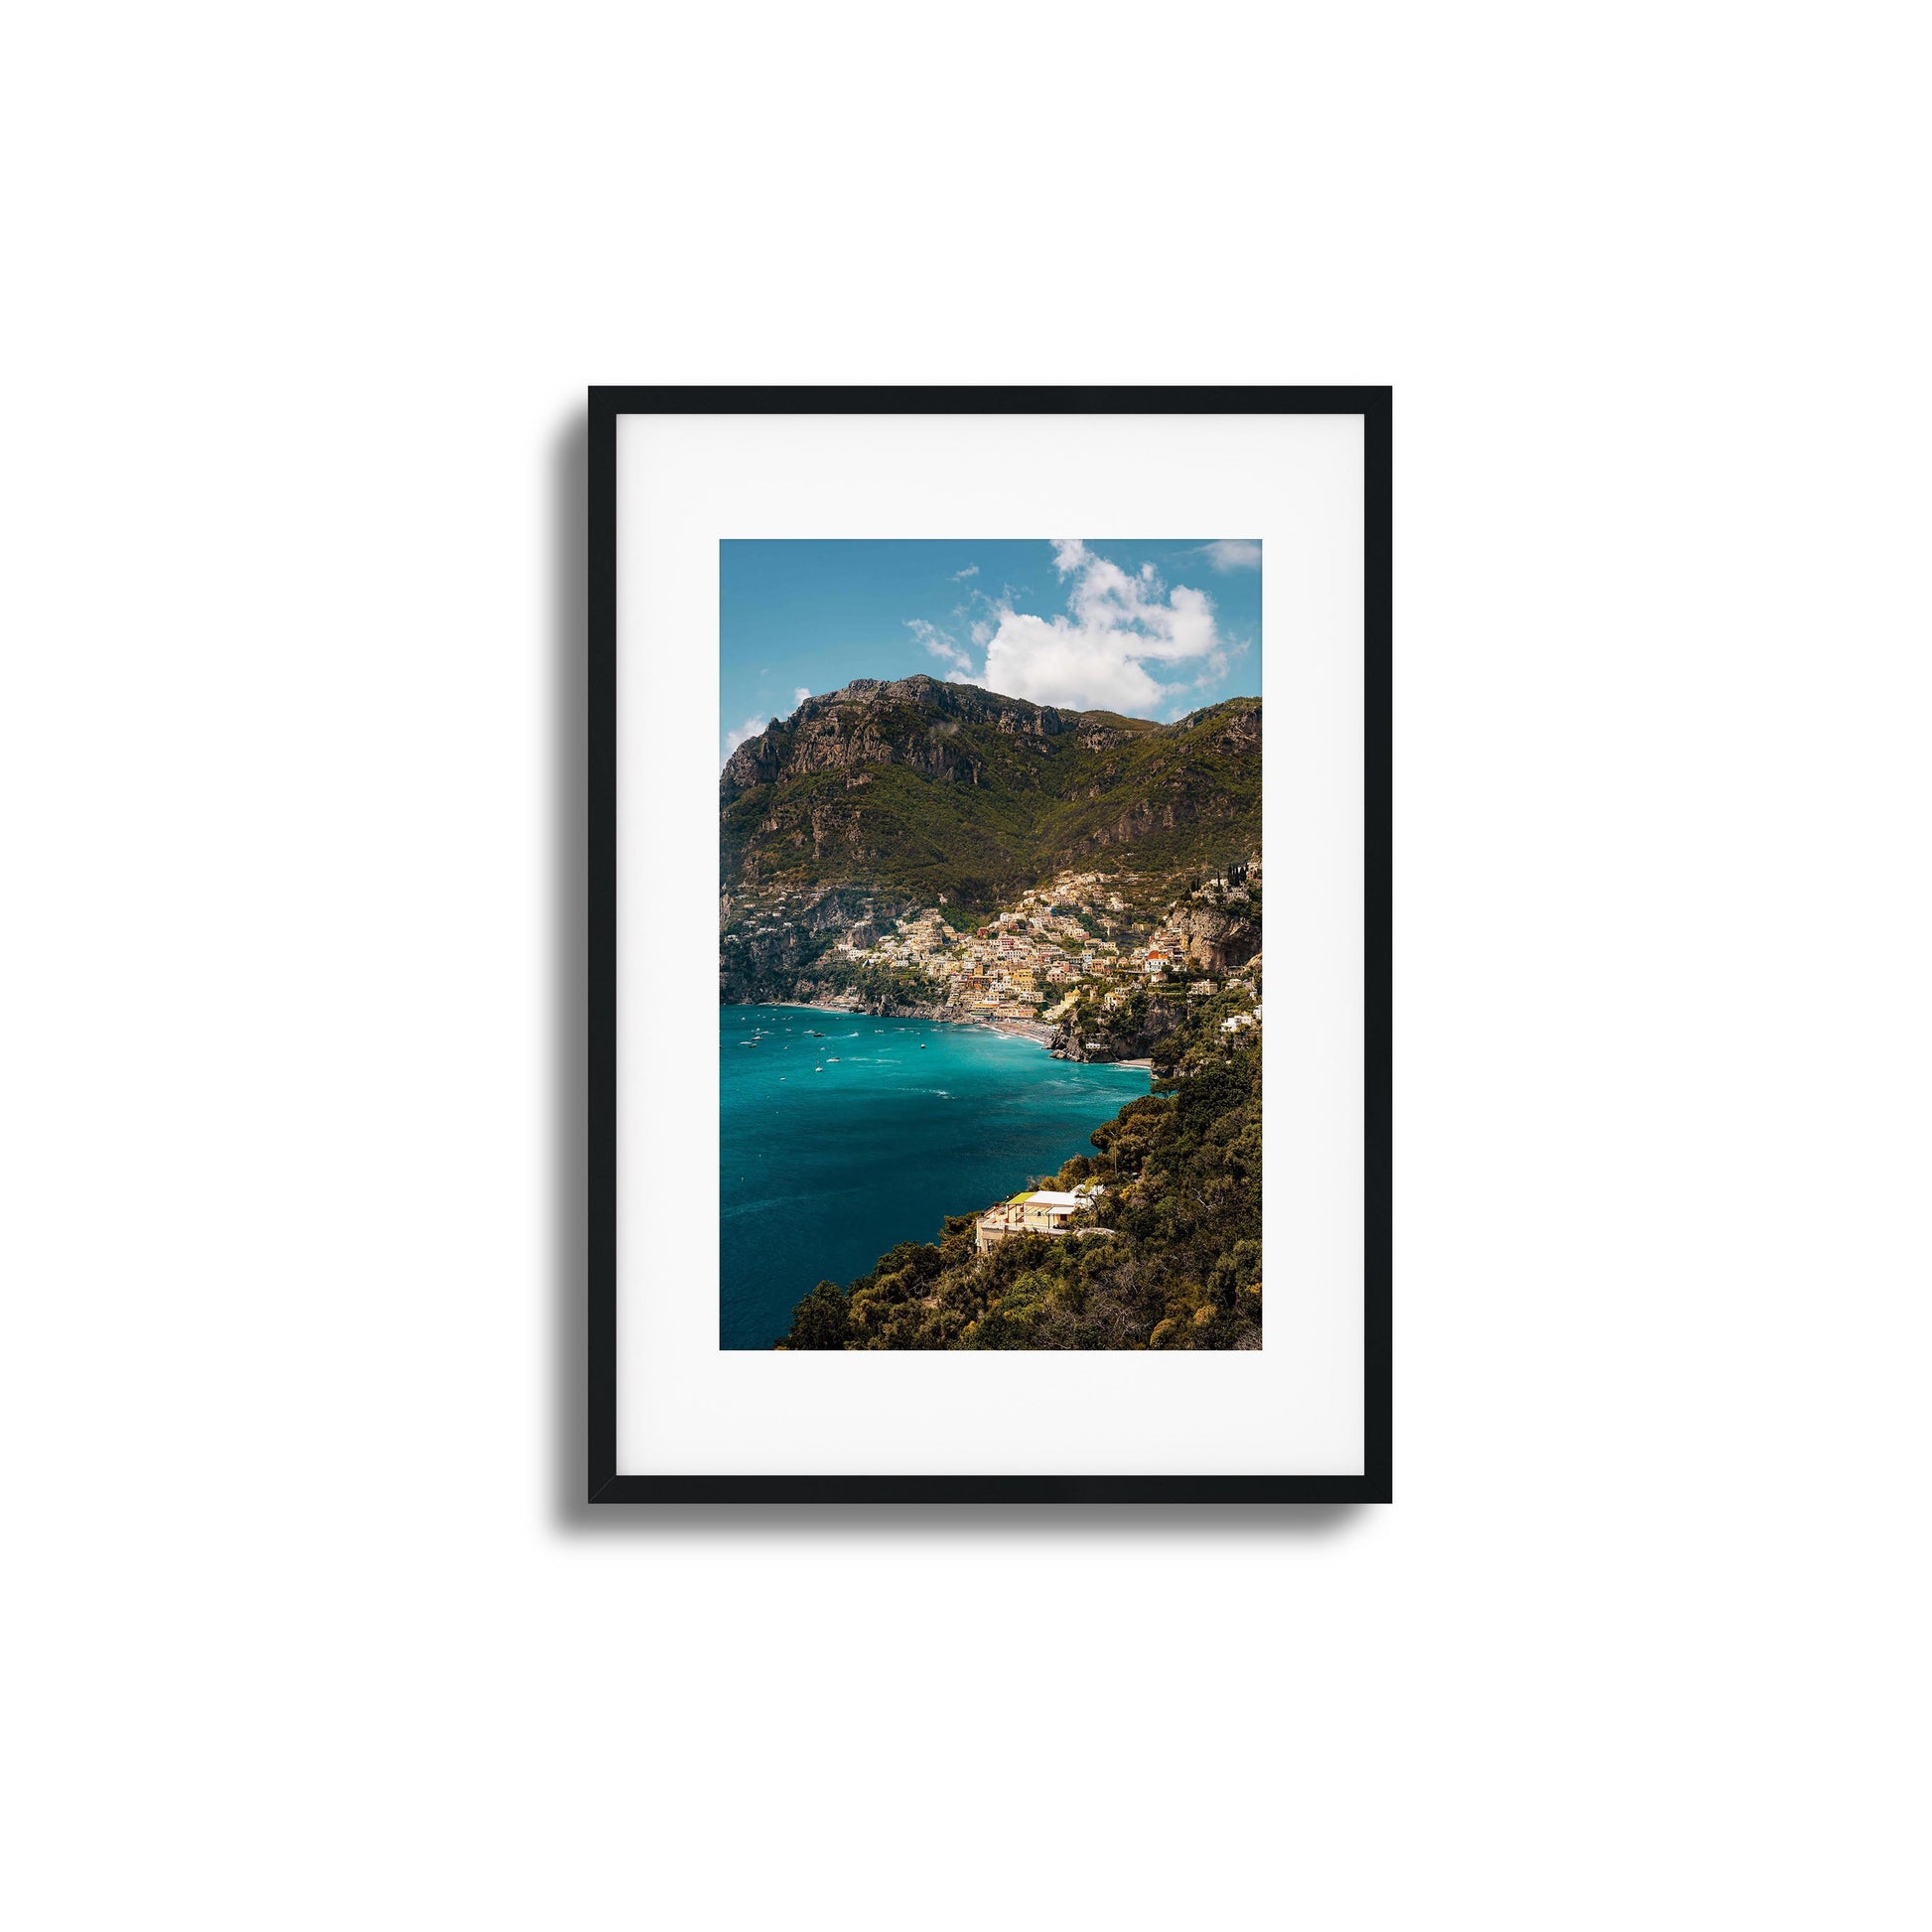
x=833, y=1061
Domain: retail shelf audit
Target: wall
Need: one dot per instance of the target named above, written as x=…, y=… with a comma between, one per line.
x=302, y=1626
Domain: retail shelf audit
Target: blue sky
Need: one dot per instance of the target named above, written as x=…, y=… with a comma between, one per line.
x=1151, y=629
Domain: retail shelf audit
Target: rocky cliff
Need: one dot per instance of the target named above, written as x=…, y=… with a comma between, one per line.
x=1215, y=939
x=921, y=786
x=915, y=723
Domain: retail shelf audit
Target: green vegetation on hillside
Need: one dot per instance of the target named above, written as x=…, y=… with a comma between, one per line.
x=879, y=985
x=923, y=786
x=1180, y=1269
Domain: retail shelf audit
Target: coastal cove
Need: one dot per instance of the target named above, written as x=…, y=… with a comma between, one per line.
x=834, y=1147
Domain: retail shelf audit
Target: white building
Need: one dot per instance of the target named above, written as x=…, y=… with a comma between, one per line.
x=1046, y=1210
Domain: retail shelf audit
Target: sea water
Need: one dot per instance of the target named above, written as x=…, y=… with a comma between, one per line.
x=833, y=1149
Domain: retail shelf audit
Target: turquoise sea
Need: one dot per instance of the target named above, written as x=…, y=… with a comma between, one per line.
x=832, y=1149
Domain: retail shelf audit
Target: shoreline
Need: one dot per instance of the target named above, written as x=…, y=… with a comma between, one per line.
x=1037, y=1030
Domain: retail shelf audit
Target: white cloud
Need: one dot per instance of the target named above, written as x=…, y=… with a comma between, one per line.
x=1125, y=643
x=943, y=645
x=960, y=575
x=1234, y=553
x=1119, y=630
x=799, y=696
x=748, y=730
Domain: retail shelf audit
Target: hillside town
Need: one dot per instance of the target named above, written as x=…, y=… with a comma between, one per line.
x=1037, y=960
x=1083, y=936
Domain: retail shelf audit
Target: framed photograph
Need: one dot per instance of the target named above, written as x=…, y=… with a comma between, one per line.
x=928, y=763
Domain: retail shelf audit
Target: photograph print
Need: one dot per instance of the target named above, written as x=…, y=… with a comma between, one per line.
x=990, y=945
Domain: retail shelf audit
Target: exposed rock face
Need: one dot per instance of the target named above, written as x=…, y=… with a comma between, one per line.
x=1240, y=730
x=1112, y=1039
x=752, y=950
x=912, y=721
x=1214, y=940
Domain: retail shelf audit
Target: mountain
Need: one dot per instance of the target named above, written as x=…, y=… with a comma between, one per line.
x=921, y=787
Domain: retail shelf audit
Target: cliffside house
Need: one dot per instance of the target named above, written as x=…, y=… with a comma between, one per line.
x=1043, y=1210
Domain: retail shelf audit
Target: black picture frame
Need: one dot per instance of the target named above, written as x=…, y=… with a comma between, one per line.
x=605, y=1484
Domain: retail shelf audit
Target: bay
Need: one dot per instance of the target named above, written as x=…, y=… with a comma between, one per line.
x=833, y=1149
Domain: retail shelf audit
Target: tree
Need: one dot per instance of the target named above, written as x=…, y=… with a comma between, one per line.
x=823, y=1319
